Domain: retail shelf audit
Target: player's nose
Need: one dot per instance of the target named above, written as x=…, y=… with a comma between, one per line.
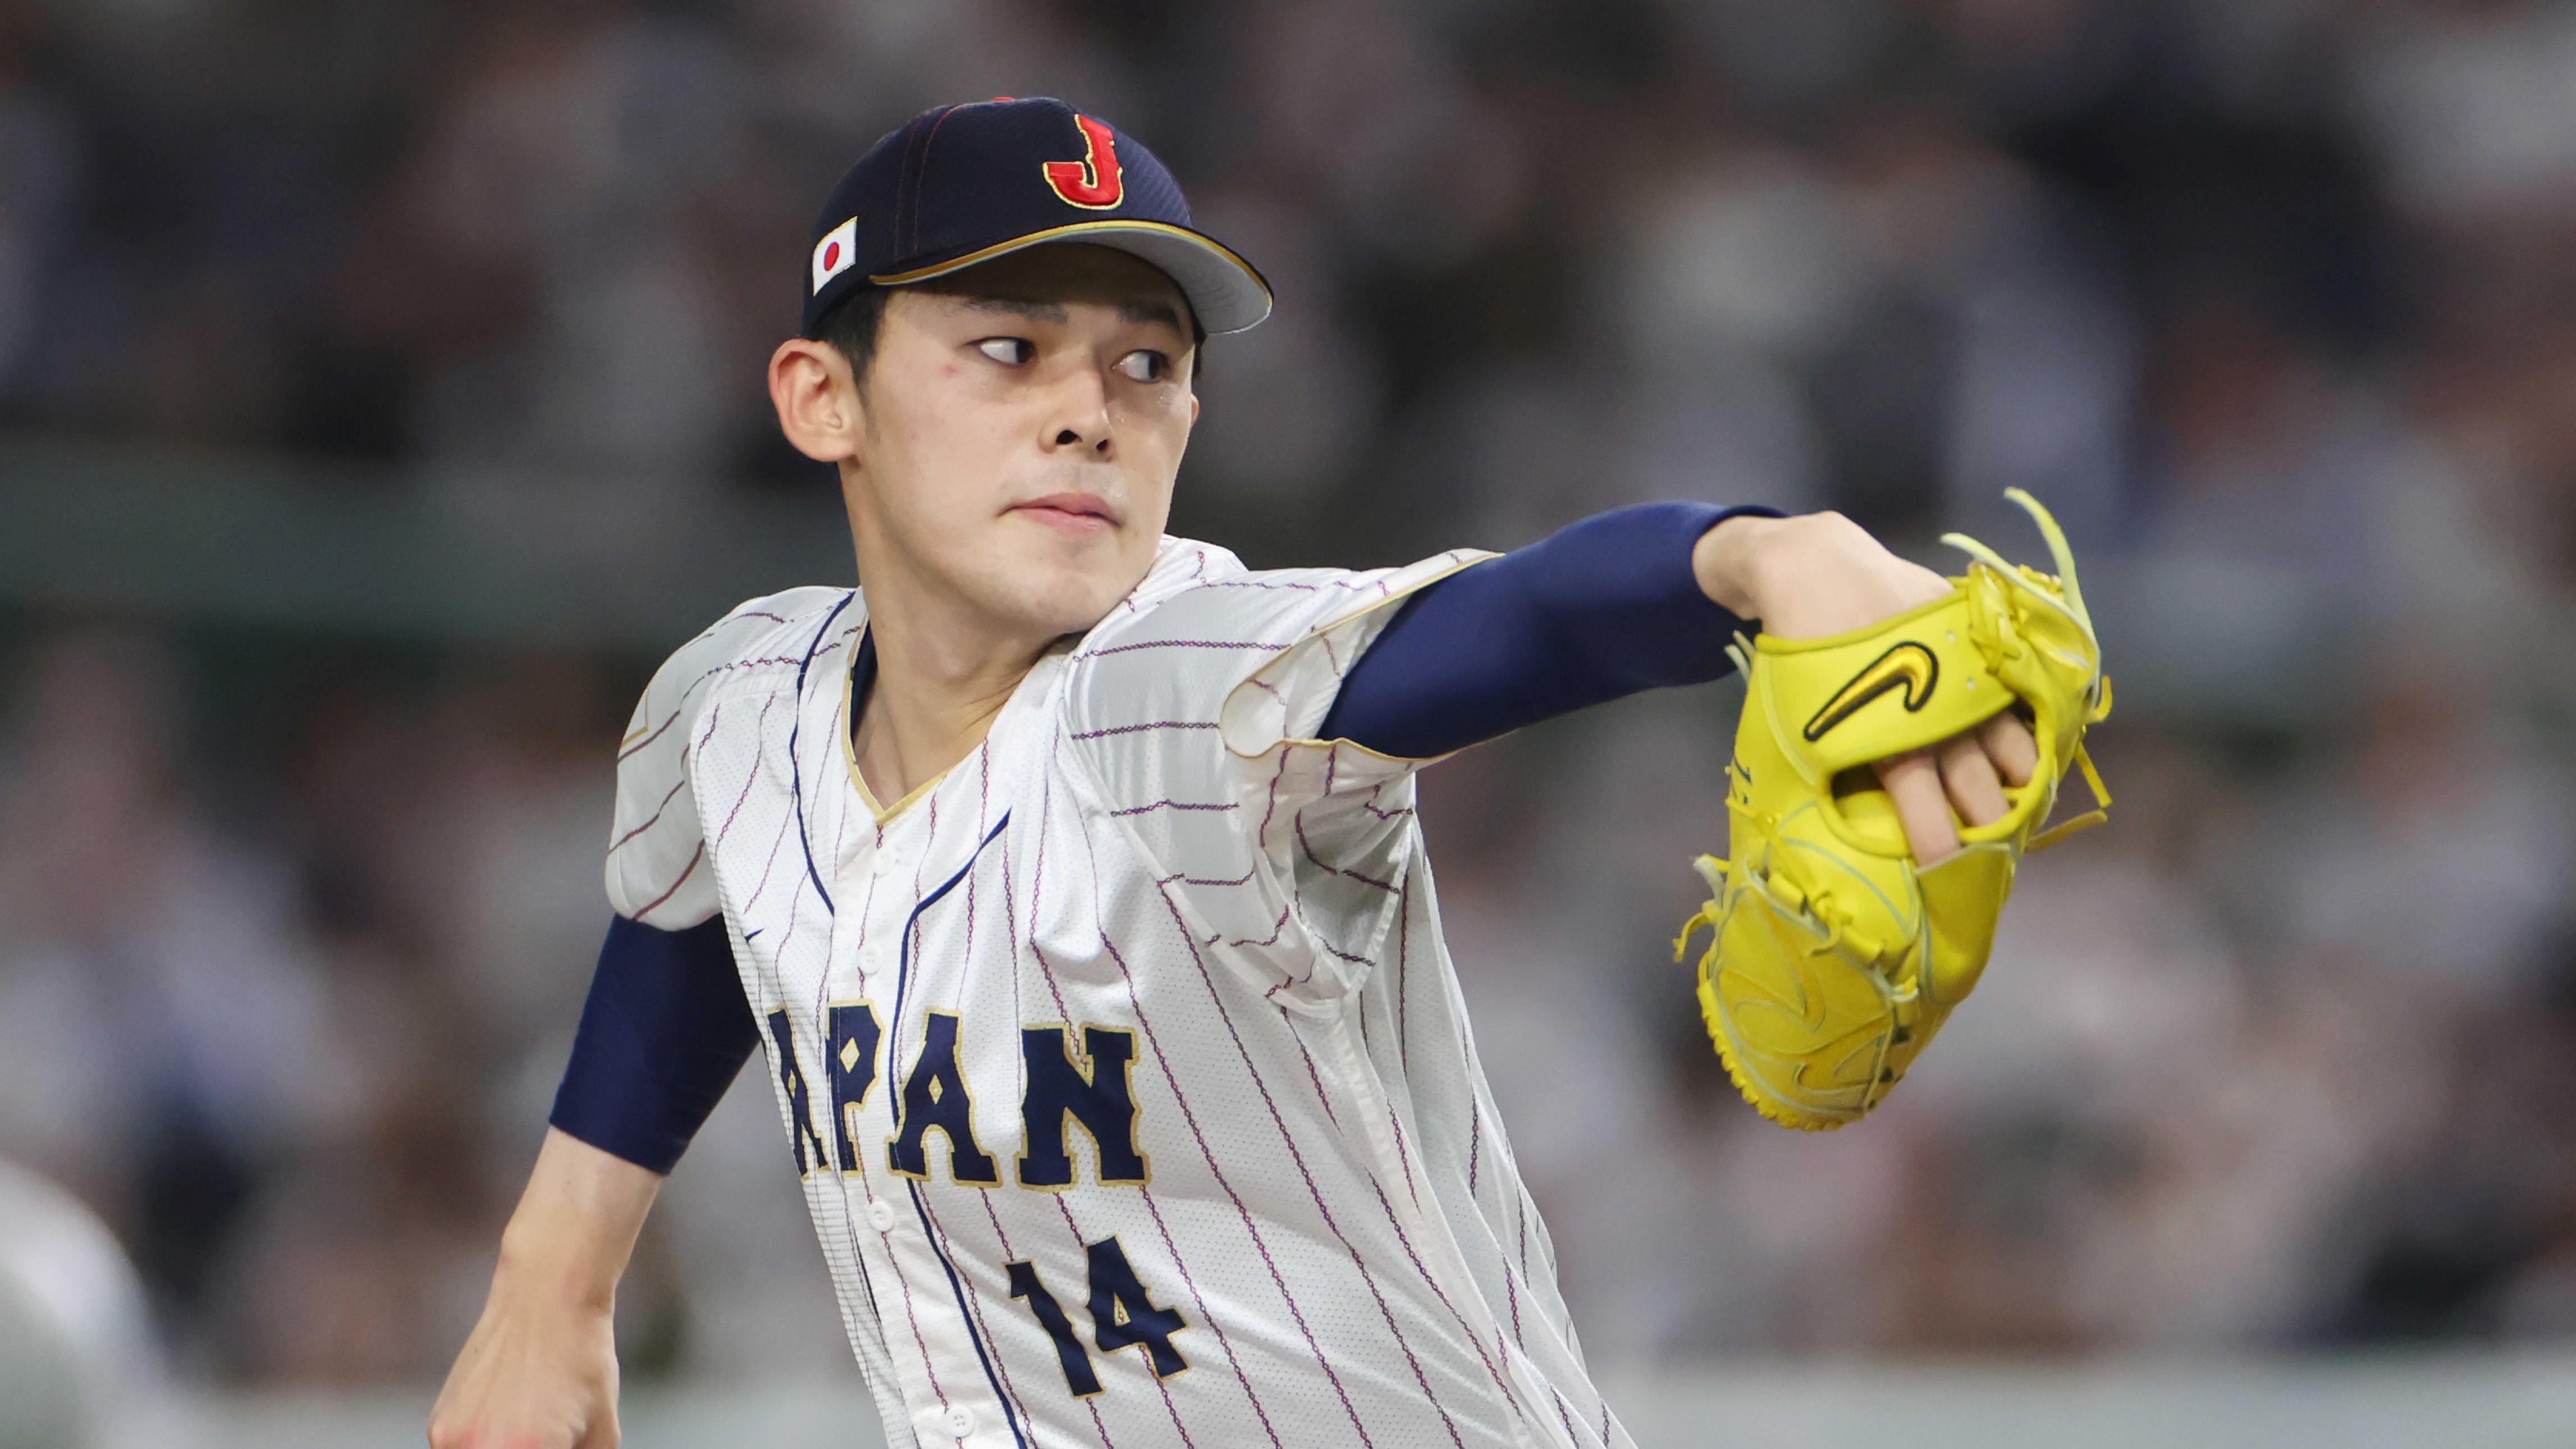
x=1077, y=415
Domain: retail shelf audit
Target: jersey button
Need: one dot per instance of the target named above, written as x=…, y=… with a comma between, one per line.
x=881, y=1215
x=961, y=1420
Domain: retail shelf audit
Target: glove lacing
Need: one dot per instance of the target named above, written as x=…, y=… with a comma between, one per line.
x=2097, y=685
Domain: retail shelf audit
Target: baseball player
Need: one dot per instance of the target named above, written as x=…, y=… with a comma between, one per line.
x=1066, y=874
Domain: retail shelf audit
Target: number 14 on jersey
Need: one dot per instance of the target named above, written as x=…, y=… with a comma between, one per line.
x=1122, y=1316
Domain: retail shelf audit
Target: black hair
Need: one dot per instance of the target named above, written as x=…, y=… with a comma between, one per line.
x=853, y=324
x=851, y=327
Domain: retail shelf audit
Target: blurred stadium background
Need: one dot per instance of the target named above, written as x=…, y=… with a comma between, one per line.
x=380, y=398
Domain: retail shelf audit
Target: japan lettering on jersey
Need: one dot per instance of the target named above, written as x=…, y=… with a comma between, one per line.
x=1124, y=1066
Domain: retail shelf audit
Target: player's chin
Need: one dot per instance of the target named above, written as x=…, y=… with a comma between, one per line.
x=1064, y=584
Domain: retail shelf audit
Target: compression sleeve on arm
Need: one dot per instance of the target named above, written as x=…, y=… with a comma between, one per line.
x=1600, y=609
x=664, y=1033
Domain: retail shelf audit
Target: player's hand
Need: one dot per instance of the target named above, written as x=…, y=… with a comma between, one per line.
x=1820, y=574
x=534, y=1374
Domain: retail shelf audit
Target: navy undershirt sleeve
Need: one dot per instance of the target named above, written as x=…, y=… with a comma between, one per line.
x=1598, y=610
x=664, y=1033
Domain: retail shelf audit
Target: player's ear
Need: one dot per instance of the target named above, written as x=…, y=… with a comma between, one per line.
x=817, y=400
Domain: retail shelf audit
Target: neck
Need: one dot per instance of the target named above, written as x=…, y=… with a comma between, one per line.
x=944, y=671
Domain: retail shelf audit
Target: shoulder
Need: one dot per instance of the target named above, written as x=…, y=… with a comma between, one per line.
x=1200, y=597
x=777, y=636
x=780, y=633
x=772, y=631
x=656, y=850
x=1201, y=625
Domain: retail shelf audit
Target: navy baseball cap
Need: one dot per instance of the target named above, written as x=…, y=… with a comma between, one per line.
x=958, y=185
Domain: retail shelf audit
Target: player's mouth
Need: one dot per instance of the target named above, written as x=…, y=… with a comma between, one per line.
x=1073, y=513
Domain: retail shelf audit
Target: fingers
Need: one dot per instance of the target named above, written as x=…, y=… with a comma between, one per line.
x=1968, y=779
x=1914, y=782
x=2008, y=744
x=1961, y=778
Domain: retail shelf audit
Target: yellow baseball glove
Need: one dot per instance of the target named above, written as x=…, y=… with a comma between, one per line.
x=1833, y=959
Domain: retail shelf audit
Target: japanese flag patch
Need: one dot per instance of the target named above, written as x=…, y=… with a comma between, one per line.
x=834, y=253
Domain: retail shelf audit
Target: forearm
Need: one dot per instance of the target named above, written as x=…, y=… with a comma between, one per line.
x=539, y=1370
x=665, y=1029
x=1618, y=603
x=575, y=1227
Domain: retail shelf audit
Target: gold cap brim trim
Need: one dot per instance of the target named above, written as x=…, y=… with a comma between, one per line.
x=1076, y=230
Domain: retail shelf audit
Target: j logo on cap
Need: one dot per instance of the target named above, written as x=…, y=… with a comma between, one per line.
x=1092, y=183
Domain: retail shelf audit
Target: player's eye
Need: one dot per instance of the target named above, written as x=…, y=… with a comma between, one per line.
x=1144, y=365
x=1008, y=351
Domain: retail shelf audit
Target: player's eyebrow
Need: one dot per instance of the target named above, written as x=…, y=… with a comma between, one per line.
x=1034, y=311
x=1153, y=311
x=1147, y=311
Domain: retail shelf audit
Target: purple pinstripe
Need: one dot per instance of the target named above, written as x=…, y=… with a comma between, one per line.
x=1249, y=1225
x=769, y=867
x=1170, y=805
x=1145, y=725
x=1037, y=884
x=695, y=859
x=683, y=707
x=1289, y=1140
x=1143, y=645
x=676, y=787
x=751, y=776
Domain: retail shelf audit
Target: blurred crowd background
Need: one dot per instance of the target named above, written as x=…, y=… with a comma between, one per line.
x=380, y=397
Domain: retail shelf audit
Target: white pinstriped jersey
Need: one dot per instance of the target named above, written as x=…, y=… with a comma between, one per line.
x=1125, y=1068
